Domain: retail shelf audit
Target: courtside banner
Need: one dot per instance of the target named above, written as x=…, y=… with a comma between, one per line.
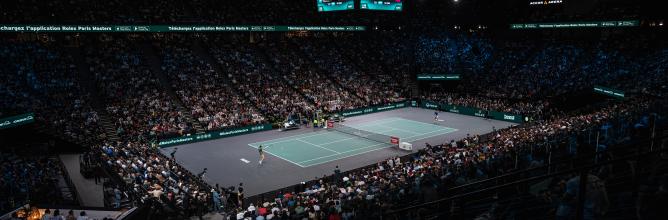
x=17, y=120
x=503, y=116
x=461, y=110
x=438, y=77
x=373, y=109
x=616, y=93
x=506, y=117
x=213, y=135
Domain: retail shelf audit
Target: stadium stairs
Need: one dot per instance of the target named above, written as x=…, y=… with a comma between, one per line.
x=97, y=102
x=154, y=64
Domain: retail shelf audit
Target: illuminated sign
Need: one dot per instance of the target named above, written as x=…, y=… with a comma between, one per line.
x=551, y=2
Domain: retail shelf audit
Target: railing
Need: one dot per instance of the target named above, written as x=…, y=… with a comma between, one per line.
x=71, y=187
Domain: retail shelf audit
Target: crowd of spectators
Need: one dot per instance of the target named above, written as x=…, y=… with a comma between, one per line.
x=210, y=95
x=315, y=85
x=250, y=84
x=298, y=76
x=532, y=69
x=43, y=80
x=372, y=55
x=79, y=11
x=258, y=81
x=610, y=11
x=534, y=109
x=134, y=97
x=194, y=12
x=28, y=179
x=453, y=52
x=374, y=88
x=149, y=176
x=365, y=192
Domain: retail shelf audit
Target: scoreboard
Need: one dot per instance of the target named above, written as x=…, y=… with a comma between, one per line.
x=335, y=5
x=384, y=5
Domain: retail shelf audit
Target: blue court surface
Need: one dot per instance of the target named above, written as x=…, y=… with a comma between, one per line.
x=323, y=146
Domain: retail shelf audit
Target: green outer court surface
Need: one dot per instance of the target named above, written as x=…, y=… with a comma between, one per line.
x=323, y=146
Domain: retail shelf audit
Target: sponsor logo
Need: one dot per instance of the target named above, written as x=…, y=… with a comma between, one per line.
x=226, y=133
x=257, y=128
x=454, y=109
x=174, y=141
x=545, y=2
x=29, y=118
x=352, y=113
x=508, y=117
x=203, y=136
x=373, y=109
x=17, y=120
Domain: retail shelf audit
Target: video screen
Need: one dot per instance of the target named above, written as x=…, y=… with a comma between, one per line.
x=384, y=5
x=335, y=5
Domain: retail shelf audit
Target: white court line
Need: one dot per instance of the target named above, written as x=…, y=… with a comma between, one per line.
x=266, y=151
x=290, y=138
x=327, y=161
x=450, y=130
x=419, y=122
x=411, y=121
x=298, y=135
x=354, y=137
x=268, y=144
x=375, y=132
x=365, y=148
x=341, y=153
x=244, y=160
x=399, y=129
x=303, y=141
x=341, y=140
x=378, y=122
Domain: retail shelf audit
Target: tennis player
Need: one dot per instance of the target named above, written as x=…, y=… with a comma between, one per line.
x=435, y=116
x=261, y=151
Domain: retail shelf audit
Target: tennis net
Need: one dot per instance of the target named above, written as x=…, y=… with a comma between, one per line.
x=364, y=134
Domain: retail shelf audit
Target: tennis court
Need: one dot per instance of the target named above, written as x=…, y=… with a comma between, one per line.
x=323, y=146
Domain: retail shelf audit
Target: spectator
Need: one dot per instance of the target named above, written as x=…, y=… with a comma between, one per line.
x=82, y=216
x=70, y=215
